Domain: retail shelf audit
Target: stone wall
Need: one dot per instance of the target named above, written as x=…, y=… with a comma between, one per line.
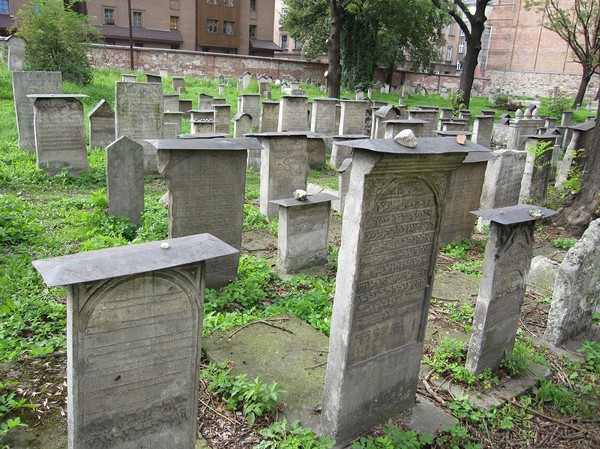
x=191, y=63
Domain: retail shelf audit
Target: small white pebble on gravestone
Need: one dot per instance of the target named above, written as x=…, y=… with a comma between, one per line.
x=165, y=245
x=536, y=213
x=406, y=138
x=300, y=195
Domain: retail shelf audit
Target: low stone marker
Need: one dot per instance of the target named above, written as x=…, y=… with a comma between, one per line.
x=172, y=124
x=171, y=102
x=384, y=281
x=303, y=232
x=393, y=127
x=24, y=84
x=134, y=323
x=185, y=106
x=125, y=179
x=153, y=78
x=59, y=128
x=139, y=116
x=128, y=77
x=178, y=82
x=205, y=101
x=205, y=179
x=507, y=259
x=102, y=125
x=242, y=124
x=577, y=289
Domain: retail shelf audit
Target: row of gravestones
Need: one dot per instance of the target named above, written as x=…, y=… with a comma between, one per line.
x=392, y=229
x=136, y=311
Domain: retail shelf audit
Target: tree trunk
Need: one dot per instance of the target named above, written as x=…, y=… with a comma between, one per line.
x=334, y=72
x=470, y=61
x=584, y=207
x=585, y=80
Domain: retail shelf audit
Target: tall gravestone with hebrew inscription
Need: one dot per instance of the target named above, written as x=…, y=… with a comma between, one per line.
x=205, y=180
x=139, y=116
x=352, y=117
x=508, y=255
x=125, y=179
x=102, y=125
x=293, y=113
x=25, y=83
x=269, y=116
x=323, y=116
x=134, y=323
x=59, y=128
x=387, y=260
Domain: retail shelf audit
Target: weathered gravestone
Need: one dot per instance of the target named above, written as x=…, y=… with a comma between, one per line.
x=178, y=82
x=222, y=118
x=429, y=116
x=343, y=185
x=538, y=162
x=250, y=104
x=340, y=150
x=386, y=265
x=205, y=101
x=25, y=83
x=139, y=116
x=153, y=78
x=269, y=116
x=59, y=128
x=482, y=130
x=393, y=127
x=171, y=102
x=172, y=124
x=380, y=117
x=185, y=106
x=242, y=124
x=16, y=53
x=134, y=323
x=125, y=179
x=464, y=192
x=205, y=180
x=577, y=289
x=283, y=168
x=520, y=127
x=303, y=232
x=128, y=77
x=323, y=116
x=102, y=125
x=246, y=78
x=352, y=117
x=508, y=255
x=293, y=111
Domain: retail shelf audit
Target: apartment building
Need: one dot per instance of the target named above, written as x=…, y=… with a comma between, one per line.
x=290, y=48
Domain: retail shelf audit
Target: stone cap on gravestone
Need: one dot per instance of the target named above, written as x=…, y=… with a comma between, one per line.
x=384, y=110
x=239, y=115
x=349, y=136
x=515, y=214
x=284, y=134
x=311, y=199
x=102, y=105
x=131, y=259
x=585, y=126
x=240, y=143
x=477, y=156
x=202, y=135
x=345, y=165
x=36, y=96
x=453, y=133
x=425, y=145
x=406, y=121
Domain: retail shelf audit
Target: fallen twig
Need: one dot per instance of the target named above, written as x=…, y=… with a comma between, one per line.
x=267, y=321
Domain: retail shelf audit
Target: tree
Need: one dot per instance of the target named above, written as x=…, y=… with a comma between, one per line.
x=584, y=207
x=473, y=32
x=57, y=38
x=359, y=35
x=578, y=25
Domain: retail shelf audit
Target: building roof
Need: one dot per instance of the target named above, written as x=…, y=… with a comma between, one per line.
x=259, y=44
x=5, y=21
x=141, y=34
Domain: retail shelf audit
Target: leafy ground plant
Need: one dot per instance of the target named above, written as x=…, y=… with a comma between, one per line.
x=394, y=438
x=9, y=404
x=280, y=435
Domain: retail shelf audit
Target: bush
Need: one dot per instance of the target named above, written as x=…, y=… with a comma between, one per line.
x=57, y=38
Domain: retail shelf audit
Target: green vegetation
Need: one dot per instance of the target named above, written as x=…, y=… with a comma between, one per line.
x=564, y=243
x=394, y=438
x=9, y=404
x=326, y=176
x=281, y=436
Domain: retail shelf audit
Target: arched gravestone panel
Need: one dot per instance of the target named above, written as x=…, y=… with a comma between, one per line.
x=137, y=360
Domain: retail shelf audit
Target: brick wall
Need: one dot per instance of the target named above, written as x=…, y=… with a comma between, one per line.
x=181, y=62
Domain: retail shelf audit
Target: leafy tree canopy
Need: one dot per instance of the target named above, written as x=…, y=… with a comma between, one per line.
x=57, y=38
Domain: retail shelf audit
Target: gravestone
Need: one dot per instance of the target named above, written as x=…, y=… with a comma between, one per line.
x=482, y=130
x=102, y=125
x=340, y=150
x=316, y=150
x=153, y=78
x=202, y=114
x=125, y=179
x=576, y=295
x=464, y=192
x=269, y=116
x=507, y=259
x=59, y=129
x=303, y=232
x=343, y=185
x=139, y=116
x=205, y=102
x=178, y=82
x=293, y=111
x=352, y=117
x=380, y=117
x=205, y=180
x=250, y=104
x=16, y=53
x=222, y=118
x=246, y=78
x=429, y=116
x=221, y=89
x=202, y=126
x=134, y=324
x=454, y=124
x=186, y=106
x=128, y=77
x=536, y=174
x=171, y=102
x=519, y=128
x=264, y=88
x=393, y=127
x=26, y=83
x=283, y=168
x=172, y=124
x=242, y=124
x=384, y=280
x=323, y=116
x=582, y=138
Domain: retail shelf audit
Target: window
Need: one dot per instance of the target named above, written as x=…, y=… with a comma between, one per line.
x=211, y=2
x=284, y=12
x=228, y=28
x=252, y=31
x=461, y=47
x=459, y=65
x=174, y=23
x=451, y=30
x=297, y=45
x=284, y=41
x=449, y=54
x=462, y=33
x=252, y=5
x=440, y=54
x=211, y=26
x=4, y=7
x=109, y=16
x=228, y=2
x=137, y=19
